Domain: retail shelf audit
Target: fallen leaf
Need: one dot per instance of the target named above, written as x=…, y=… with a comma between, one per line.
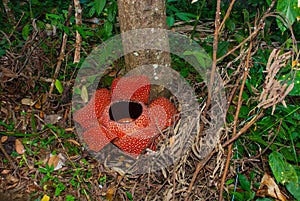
x=53, y=160
x=5, y=172
x=19, y=147
x=4, y=138
x=74, y=142
x=33, y=188
x=172, y=141
x=58, y=161
x=11, y=179
x=110, y=193
x=112, y=74
x=38, y=105
x=42, y=114
x=268, y=187
x=52, y=119
x=69, y=129
x=84, y=94
x=27, y=101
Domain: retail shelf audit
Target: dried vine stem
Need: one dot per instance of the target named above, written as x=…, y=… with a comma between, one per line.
x=215, y=48
x=256, y=31
x=243, y=130
x=211, y=81
x=78, y=20
x=226, y=15
x=239, y=104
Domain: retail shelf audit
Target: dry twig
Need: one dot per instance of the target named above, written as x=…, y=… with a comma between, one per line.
x=211, y=81
x=239, y=104
x=62, y=52
x=78, y=19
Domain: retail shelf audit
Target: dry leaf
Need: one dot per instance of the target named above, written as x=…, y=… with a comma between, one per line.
x=38, y=104
x=110, y=193
x=74, y=142
x=84, y=94
x=19, y=147
x=27, y=101
x=268, y=187
x=52, y=119
x=113, y=73
x=8, y=73
x=42, y=114
x=4, y=138
x=5, y=172
x=58, y=161
x=172, y=140
x=33, y=188
x=53, y=160
x=11, y=179
x=41, y=101
x=70, y=129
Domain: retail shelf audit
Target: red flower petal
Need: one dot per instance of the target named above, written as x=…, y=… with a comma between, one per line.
x=136, y=142
x=87, y=116
x=121, y=129
x=161, y=112
x=96, y=138
x=135, y=88
x=102, y=99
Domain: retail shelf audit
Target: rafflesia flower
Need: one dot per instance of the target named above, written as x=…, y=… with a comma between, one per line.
x=123, y=117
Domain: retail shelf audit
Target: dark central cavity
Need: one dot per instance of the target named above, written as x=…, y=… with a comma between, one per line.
x=125, y=111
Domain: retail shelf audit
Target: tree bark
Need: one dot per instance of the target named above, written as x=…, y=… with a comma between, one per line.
x=139, y=14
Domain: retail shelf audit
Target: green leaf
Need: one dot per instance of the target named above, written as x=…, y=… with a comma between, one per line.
x=59, y=188
x=77, y=91
x=185, y=16
x=239, y=196
x=25, y=31
x=289, y=78
x=170, y=21
x=202, y=58
x=92, y=12
x=289, y=9
x=108, y=27
x=59, y=86
x=81, y=32
x=222, y=48
x=245, y=183
x=294, y=187
x=129, y=195
x=184, y=72
x=283, y=171
x=112, y=12
x=230, y=181
x=99, y=5
x=230, y=25
x=246, y=15
x=70, y=198
x=2, y=52
x=264, y=199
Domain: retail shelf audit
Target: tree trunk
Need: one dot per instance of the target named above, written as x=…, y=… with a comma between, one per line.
x=139, y=14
